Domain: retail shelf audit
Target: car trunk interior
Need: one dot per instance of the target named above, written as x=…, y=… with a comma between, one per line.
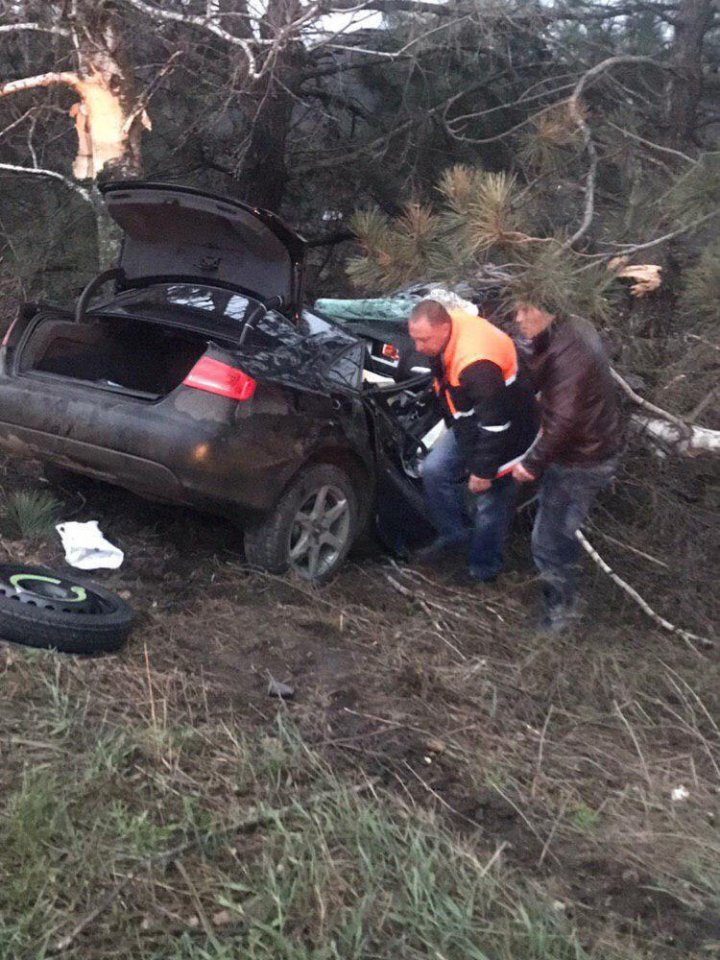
x=113, y=353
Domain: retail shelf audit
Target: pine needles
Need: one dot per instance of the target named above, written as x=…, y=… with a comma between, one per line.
x=482, y=218
x=697, y=193
x=700, y=298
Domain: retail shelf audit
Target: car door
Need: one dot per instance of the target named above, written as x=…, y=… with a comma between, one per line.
x=406, y=422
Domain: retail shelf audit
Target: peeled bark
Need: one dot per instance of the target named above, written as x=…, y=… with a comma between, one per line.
x=108, y=116
x=687, y=441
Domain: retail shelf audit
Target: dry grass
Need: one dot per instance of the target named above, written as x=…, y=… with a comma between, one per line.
x=448, y=784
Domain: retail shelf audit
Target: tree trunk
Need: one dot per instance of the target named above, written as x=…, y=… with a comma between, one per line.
x=264, y=175
x=108, y=117
x=692, y=22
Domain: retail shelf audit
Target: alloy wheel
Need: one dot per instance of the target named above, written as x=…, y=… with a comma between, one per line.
x=319, y=532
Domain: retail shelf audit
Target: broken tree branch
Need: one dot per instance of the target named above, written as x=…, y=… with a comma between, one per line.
x=65, y=78
x=669, y=430
x=688, y=637
x=645, y=404
x=690, y=441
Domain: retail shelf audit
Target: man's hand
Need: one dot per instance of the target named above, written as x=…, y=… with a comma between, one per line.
x=522, y=475
x=478, y=485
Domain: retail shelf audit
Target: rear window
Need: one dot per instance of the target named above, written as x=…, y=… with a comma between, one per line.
x=210, y=302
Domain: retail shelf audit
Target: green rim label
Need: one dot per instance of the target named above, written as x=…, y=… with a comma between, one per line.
x=17, y=579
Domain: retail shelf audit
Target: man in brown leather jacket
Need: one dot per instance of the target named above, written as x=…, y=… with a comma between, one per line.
x=578, y=450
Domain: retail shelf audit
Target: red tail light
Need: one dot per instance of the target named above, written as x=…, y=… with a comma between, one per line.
x=391, y=352
x=7, y=334
x=220, y=378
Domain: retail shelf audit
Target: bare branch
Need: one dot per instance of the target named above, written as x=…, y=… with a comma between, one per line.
x=627, y=248
x=621, y=60
x=650, y=143
x=16, y=123
x=202, y=23
x=702, y=406
x=50, y=175
x=140, y=109
x=688, y=637
x=41, y=80
x=645, y=404
x=576, y=112
x=39, y=27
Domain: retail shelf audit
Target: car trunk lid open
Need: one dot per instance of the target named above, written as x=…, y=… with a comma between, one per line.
x=181, y=232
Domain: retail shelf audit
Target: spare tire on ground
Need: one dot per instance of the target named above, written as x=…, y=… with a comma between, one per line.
x=40, y=608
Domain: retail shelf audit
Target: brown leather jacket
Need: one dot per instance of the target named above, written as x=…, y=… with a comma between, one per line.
x=581, y=422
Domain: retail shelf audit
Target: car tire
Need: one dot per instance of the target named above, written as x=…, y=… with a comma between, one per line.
x=38, y=608
x=312, y=528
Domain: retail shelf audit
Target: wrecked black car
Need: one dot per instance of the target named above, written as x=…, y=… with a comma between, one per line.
x=201, y=380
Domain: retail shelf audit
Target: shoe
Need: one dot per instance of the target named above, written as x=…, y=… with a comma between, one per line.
x=439, y=548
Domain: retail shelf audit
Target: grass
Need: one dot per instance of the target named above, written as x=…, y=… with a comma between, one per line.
x=330, y=868
x=446, y=785
x=31, y=514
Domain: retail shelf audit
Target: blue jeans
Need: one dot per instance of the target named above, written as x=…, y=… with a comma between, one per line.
x=445, y=473
x=565, y=497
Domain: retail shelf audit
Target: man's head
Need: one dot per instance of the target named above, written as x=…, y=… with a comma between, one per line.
x=531, y=318
x=430, y=326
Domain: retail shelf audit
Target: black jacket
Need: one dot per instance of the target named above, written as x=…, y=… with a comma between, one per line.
x=494, y=422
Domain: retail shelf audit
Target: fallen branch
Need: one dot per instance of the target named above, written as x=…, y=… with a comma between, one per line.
x=690, y=441
x=670, y=430
x=688, y=637
x=645, y=404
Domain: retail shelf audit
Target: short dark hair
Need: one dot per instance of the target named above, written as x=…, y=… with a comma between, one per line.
x=430, y=310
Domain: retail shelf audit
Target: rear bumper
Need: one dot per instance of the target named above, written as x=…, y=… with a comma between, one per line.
x=189, y=448
x=136, y=473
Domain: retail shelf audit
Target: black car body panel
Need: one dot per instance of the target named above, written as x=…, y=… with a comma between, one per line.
x=188, y=446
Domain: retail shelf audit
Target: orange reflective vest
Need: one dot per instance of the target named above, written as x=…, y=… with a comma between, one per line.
x=473, y=339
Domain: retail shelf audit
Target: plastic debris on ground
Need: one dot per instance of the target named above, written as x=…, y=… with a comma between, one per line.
x=86, y=548
x=281, y=690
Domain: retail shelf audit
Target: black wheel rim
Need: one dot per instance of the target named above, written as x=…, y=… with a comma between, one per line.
x=45, y=590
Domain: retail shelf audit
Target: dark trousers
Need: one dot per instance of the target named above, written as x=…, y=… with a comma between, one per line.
x=445, y=474
x=565, y=497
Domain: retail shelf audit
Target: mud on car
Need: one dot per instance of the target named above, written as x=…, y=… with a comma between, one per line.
x=192, y=374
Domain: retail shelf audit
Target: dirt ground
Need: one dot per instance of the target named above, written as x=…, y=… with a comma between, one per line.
x=561, y=755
